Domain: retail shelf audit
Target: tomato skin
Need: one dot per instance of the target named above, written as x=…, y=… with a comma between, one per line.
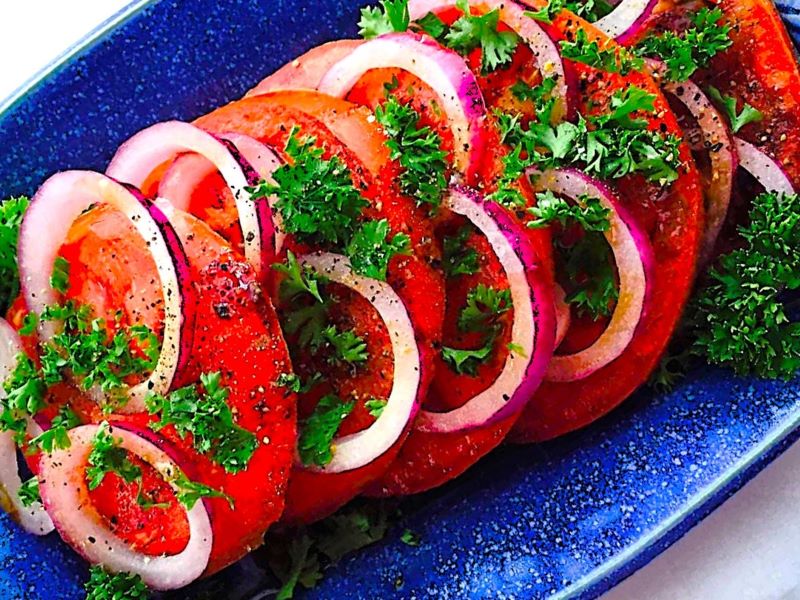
x=236, y=333
x=346, y=131
x=673, y=220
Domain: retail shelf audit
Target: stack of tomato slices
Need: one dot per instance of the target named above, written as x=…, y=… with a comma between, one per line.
x=392, y=255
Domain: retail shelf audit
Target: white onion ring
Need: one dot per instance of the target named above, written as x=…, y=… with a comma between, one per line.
x=361, y=448
x=723, y=161
x=441, y=69
x=544, y=50
x=627, y=19
x=532, y=329
x=54, y=208
x=33, y=519
x=765, y=169
x=634, y=260
x=137, y=159
x=188, y=170
x=563, y=314
x=66, y=496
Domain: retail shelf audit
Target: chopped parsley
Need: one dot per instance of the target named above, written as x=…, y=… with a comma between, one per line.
x=548, y=12
x=585, y=264
x=11, y=213
x=375, y=407
x=59, y=279
x=203, y=411
x=298, y=279
x=418, y=149
x=684, y=53
x=343, y=346
x=293, y=382
x=188, y=492
x=616, y=59
x=737, y=119
x=25, y=391
x=741, y=319
x=457, y=257
x=609, y=146
x=591, y=10
x=108, y=456
x=481, y=31
x=410, y=538
x=103, y=585
x=371, y=248
x=28, y=492
x=390, y=17
x=318, y=431
x=484, y=307
x=541, y=95
x=56, y=438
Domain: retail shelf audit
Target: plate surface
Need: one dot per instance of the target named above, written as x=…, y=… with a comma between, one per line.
x=568, y=518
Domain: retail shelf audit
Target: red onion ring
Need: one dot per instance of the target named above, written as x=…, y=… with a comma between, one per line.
x=533, y=326
x=635, y=266
x=563, y=314
x=66, y=496
x=723, y=161
x=54, y=208
x=544, y=50
x=441, y=69
x=766, y=170
x=361, y=448
x=33, y=519
x=141, y=155
x=627, y=19
x=188, y=170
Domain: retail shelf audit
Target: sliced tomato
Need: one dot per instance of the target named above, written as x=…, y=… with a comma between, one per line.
x=760, y=68
x=346, y=131
x=237, y=334
x=673, y=219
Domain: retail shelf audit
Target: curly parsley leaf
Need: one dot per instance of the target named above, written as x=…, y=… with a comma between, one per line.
x=375, y=407
x=371, y=248
x=466, y=361
x=342, y=346
x=685, y=53
x=56, y=438
x=108, y=456
x=433, y=26
x=457, y=257
x=589, y=275
x=59, y=279
x=205, y=414
x=293, y=382
x=737, y=119
x=318, y=431
x=591, y=10
x=390, y=17
x=316, y=197
x=103, y=585
x=548, y=12
x=741, y=318
x=410, y=538
x=484, y=305
x=417, y=148
x=298, y=279
x=11, y=213
x=28, y=492
x=25, y=391
x=588, y=212
x=611, y=60
x=189, y=492
x=481, y=31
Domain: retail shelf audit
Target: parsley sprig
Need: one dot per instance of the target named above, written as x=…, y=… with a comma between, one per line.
x=484, y=307
x=591, y=10
x=685, y=53
x=11, y=213
x=318, y=431
x=728, y=104
x=585, y=264
x=417, y=148
x=104, y=585
x=392, y=16
x=611, y=59
x=29, y=492
x=56, y=438
x=203, y=411
x=372, y=248
x=457, y=257
x=741, y=319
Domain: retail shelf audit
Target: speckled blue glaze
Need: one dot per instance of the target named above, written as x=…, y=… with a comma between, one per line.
x=568, y=518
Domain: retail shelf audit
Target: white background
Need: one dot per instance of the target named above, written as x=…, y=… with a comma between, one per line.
x=749, y=549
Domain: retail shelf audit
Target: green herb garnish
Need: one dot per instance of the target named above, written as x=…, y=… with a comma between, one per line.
x=457, y=257
x=29, y=492
x=615, y=59
x=481, y=31
x=371, y=248
x=737, y=119
x=318, y=431
x=103, y=585
x=11, y=213
x=390, y=17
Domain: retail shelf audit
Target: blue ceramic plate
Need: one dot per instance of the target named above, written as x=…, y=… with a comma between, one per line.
x=569, y=518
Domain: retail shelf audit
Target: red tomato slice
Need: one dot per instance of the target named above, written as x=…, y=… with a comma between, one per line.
x=673, y=218
x=237, y=334
x=346, y=131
